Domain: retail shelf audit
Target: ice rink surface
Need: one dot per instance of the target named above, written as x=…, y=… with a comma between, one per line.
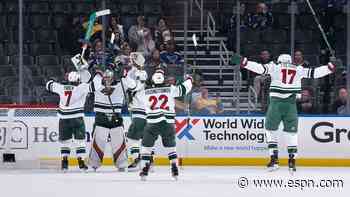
x=193, y=181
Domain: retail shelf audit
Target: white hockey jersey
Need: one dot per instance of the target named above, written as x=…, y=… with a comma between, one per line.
x=137, y=105
x=106, y=104
x=286, y=79
x=160, y=101
x=72, y=98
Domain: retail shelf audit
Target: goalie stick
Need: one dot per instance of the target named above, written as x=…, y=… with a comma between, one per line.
x=88, y=32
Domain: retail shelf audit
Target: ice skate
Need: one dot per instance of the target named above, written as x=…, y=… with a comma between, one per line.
x=273, y=164
x=82, y=165
x=64, y=164
x=174, y=171
x=144, y=172
x=291, y=164
x=135, y=165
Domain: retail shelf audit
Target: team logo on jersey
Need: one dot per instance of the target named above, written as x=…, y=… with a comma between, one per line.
x=183, y=129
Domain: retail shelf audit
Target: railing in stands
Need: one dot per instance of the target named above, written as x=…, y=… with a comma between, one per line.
x=211, y=28
x=200, y=6
x=252, y=105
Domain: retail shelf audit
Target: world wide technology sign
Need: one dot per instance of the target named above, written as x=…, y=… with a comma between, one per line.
x=319, y=137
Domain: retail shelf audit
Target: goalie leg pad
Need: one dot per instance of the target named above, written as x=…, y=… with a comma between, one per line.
x=120, y=157
x=98, y=145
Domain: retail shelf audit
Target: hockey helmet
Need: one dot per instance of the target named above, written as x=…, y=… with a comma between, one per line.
x=158, y=77
x=285, y=58
x=137, y=59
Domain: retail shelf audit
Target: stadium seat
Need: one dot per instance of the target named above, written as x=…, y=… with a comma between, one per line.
x=41, y=49
x=152, y=8
x=83, y=8
x=53, y=71
x=47, y=60
x=59, y=21
x=40, y=21
x=277, y=49
x=28, y=35
x=61, y=7
x=46, y=36
x=4, y=60
x=27, y=60
x=309, y=49
x=12, y=49
x=303, y=36
x=306, y=22
x=250, y=36
x=283, y=20
x=274, y=36
x=11, y=7
x=67, y=63
x=252, y=49
x=3, y=21
x=5, y=35
x=38, y=7
x=280, y=8
x=129, y=9
x=2, y=50
x=340, y=22
x=6, y=71
x=39, y=81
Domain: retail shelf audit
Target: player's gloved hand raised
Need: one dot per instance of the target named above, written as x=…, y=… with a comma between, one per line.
x=236, y=59
x=79, y=62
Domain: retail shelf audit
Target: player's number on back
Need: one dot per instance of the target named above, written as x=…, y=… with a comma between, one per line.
x=288, y=76
x=69, y=94
x=162, y=100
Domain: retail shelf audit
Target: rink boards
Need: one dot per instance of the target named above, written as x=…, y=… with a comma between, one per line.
x=214, y=140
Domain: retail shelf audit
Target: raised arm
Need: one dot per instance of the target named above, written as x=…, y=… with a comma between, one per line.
x=254, y=66
x=319, y=72
x=182, y=89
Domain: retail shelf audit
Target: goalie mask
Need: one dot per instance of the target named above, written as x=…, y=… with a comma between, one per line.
x=284, y=59
x=137, y=60
x=108, y=78
x=158, y=77
x=73, y=77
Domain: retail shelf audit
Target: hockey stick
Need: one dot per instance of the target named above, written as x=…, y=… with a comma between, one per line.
x=88, y=32
x=324, y=36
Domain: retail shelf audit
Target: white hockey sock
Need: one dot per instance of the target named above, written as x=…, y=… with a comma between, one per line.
x=80, y=148
x=65, y=148
x=272, y=143
x=134, y=148
x=172, y=155
x=292, y=143
x=145, y=155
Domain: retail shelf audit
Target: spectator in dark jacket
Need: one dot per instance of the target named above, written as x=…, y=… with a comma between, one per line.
x=305, y=104
x=339, y=105
x=262, y=19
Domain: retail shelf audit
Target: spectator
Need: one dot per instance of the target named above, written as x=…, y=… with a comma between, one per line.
x=154, y=62
x=118, y=40
x=97, y=56
x=262, y=19
x=299, y=59
x=171, y=57
x=231, y=24
x=162, y=32
x=262, y=82
x=136, y=32
x=339, y=105
x=305, y=104
x=148, y=45
x=206, y=105
x=114, y=25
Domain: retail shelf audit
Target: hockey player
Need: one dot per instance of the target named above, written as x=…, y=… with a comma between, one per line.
x=71, y=113
x=285, y=87
x=137, y=108
x=160, y=110
x=108, y=120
